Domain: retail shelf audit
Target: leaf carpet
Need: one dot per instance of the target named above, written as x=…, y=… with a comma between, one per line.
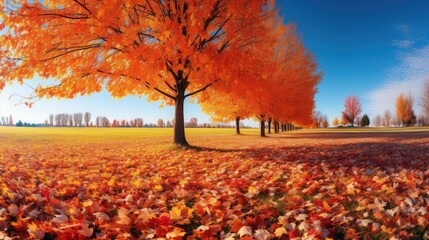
x=277, y=188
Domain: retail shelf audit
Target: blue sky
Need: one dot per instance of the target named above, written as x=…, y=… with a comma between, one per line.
x=374, y=49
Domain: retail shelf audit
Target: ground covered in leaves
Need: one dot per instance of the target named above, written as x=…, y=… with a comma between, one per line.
x=120, y=184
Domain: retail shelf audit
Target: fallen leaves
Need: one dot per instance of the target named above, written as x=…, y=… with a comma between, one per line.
x=295, y=189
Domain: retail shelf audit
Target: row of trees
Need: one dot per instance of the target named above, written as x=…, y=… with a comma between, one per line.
x=70, y=120
x=320, y=120
x=6, y=121
x=280, y=92
x=405, y=114
x=237, y=58
x=80, y=120
x=351, y=115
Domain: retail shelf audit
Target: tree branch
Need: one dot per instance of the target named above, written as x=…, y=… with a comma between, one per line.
x=171, y=70
x=83, y=5
x=169, y=86
x=73, y=49
x=76, y=17
x=213, y=15
x=200, y=90
x=164, y=93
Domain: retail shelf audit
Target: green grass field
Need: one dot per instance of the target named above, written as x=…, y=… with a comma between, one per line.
x=190, y=132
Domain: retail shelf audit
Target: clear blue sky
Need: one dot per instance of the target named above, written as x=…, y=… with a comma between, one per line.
x=373, y=49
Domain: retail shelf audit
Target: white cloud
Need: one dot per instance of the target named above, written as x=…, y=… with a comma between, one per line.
x=403, y=43
x=407, y=39
x=408, y=76
x=404, y=28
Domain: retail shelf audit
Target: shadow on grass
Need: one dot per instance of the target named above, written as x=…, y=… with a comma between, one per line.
x=202, y=149
x=337, y=135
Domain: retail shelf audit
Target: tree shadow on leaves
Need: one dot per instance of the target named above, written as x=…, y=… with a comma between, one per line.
x=336, y=135
x=381, y=155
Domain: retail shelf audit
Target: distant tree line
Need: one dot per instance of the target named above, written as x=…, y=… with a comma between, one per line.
x=84, y=120
x=320, y=120
x=6, y=121
x=404, y=115
x=26, y=124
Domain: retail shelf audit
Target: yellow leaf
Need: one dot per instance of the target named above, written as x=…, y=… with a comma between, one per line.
x=177, y=232
x=137, y=183
x=87, y=203
x=123, y=217
x=111, y=182
x=35, y=231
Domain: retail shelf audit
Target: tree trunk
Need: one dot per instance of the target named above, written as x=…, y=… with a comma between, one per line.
x=262, y=128
x=276, y=127
x=237, y=125
x=179, y=121
x=269, y=125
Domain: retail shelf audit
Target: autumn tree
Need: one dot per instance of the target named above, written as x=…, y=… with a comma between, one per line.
x=10, y=121
x=226, y=108
x=87, y=118
x=168, y=50
x=51, y=120
x=387, y=117
x=160, y=123
x=115, y=123
x=335, y=122
x=404, y=109
x=57, y=120
x=325, y=122
x=377, y=121
x=320, y=120
x=64, y=119
x=317, y=119
x=193, y=122
x=294, y=82
x=276, y=82
x=77, y=118
x=99, y=121
x=61, y=120
x=70, y=120
x=425, y=100
x=285, y=93
x=139, y=122
x=352, y=109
